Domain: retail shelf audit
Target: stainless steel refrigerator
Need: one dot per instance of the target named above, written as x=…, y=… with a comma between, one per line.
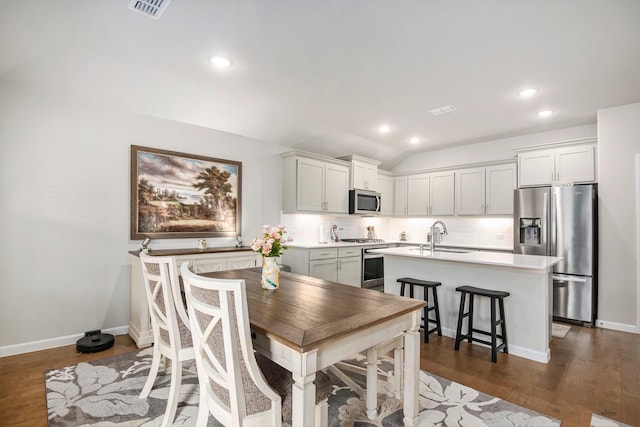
x=562, y=221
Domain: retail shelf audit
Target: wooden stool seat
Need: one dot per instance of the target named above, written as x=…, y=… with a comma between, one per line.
x=426, y=284
x=494, y=295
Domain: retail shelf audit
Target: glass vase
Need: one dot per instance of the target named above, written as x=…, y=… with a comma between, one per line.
x=270, y=273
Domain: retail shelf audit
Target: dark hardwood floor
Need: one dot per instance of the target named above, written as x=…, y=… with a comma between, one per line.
x=591, y=370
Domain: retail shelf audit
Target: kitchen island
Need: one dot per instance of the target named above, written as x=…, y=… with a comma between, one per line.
x=529, y=308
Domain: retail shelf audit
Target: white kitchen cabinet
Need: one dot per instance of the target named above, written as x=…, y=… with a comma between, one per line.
x=385, y=188
x=342, y=265
x=201, y=261
x=441, y=194
x=576, y=164
x=485, y=190
x=470, y=191
x=350, y=266
x=418, y=194
x=364, y=172
x=425, y=194
x=314, y=184
x=500, y=181
x=573, y=163
x=400, y=196
x=326, y=269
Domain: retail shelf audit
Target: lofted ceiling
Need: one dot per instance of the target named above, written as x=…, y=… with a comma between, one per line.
x=321, y=76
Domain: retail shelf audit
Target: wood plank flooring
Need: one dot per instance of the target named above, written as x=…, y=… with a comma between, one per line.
x=591, y=370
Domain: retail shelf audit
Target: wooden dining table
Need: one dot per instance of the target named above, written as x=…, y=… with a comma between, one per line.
x=309, y=324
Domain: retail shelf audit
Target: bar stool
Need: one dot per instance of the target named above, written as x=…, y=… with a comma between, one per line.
x=426, y=284
x=498, y=296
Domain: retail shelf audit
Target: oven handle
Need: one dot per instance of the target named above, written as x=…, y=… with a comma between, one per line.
x=371, y=256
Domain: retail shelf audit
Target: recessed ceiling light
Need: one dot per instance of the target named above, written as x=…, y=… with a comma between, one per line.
x=544, y=113
x=525, y=93
x=220, y=61
x=414, y=140
x=384, y=128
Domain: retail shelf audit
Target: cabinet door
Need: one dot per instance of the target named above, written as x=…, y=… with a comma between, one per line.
x=365, y=176
x=349, y=271
x=400, y=196
x=576, y=164
x=245, y=261
x=442, y=193
x=500, y=183
x=536, y=168
x=209, y=265
x=326, y=269
x=418, y=195
x=385, y=188
x=470, y=189
x=336, y=188
x=310, y=191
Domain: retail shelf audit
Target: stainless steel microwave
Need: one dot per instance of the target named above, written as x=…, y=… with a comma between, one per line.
x=364, y=202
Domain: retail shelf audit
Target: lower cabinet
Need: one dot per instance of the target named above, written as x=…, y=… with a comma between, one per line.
x=140, y=322
x=342, y=265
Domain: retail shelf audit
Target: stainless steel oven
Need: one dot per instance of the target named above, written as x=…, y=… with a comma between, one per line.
x=373, y=268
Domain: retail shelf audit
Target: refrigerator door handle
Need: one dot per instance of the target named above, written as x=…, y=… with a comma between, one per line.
x=569, y=279
x=546, y=224
x=553, y=230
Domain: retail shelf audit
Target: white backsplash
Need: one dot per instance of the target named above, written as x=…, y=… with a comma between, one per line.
x=462, y=231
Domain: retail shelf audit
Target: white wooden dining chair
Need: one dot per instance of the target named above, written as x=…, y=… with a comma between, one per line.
x=170, y=324
x=237, y=386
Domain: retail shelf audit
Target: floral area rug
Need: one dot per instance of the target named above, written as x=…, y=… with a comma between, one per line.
x=602, y=421
x=105, y=392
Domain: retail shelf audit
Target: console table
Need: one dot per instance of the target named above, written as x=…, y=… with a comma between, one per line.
x=203, y=261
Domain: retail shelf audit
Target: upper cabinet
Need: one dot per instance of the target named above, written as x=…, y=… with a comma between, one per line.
x=485, y=190
x=425, y=194
x=386, y=190
x=314, y=184
x=364, y=172
x=564, y=163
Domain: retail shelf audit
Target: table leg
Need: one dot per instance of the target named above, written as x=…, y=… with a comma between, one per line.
x=411, y=373
x=304, y=390
x=372, y=382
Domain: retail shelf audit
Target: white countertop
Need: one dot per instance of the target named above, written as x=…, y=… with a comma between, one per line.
x=535, y=262
x=313, y=245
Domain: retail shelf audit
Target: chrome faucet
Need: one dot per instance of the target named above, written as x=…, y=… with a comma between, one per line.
x=436, y=234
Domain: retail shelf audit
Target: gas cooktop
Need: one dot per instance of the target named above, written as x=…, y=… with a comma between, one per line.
x=362, y=240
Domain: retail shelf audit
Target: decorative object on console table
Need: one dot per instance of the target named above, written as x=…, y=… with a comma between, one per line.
x=178, y=195
x=270, y=246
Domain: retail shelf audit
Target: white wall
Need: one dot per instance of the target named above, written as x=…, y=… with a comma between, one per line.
x=618, y=143
x=500, y=149
x=64, y=217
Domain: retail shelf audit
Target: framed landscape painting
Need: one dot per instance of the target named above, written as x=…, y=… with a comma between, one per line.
x=179, y=195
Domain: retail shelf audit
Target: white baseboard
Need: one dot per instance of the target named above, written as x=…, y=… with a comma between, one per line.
x=605, y=324
x=527, y=353
x=27, y=347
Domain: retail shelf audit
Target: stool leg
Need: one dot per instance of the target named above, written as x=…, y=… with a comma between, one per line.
x=437, y=310
x=503, y=326
x=494, y=339
x=425, y=315
x=470, y=320
x=411, y=290
x=402, y=288
x=460, y=317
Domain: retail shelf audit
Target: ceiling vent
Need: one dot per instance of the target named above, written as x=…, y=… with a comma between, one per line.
x=152, y=8
x=442, y=110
